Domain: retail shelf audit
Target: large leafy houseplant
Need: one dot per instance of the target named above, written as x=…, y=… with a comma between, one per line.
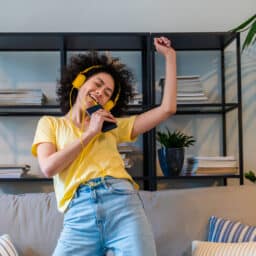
x=250, y=26
x=250, y=39
x=172, y=151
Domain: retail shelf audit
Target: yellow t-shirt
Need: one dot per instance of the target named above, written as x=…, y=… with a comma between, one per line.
x=99, y=158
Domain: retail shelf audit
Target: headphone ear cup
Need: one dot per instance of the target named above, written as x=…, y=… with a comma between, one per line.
x=109, y=105
x=79, y=81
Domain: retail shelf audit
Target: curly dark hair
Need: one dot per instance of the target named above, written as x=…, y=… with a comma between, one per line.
x=123, y=79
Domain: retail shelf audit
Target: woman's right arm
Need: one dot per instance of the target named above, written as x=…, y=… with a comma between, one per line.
x=52, y=161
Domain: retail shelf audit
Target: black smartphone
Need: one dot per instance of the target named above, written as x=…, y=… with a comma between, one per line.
x=107, y=126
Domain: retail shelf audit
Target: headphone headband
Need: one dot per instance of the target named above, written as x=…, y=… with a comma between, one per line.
x=90, y=68
x=81, y=78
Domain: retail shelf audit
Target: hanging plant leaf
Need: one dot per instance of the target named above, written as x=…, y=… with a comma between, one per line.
x=250, y=25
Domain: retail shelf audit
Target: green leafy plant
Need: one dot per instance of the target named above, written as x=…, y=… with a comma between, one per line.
x=250, y=25
x=175, y=139
x=250, y=176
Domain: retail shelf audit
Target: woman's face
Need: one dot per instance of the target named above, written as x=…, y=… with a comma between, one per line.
x=99, y=87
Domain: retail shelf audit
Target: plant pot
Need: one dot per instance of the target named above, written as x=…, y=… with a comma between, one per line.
x=171, y=160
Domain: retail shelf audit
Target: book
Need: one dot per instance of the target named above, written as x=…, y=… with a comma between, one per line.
x=212, y=165
x=190, y=94
x=15, y=166
x=192, y=98
x=218, y=158
x=219, y=164
x=188, y=77
x=216, y=171
x=13, y=170
x=11, y=175
x=14, y=97
x=189, y=89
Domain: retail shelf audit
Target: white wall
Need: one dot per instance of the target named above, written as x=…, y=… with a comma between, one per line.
x=123, y=16
x=143, y=16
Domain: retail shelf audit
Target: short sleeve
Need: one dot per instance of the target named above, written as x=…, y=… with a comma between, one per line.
x=45, y=132
x=124, y=129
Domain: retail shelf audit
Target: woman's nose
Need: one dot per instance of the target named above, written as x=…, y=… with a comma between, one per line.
x=99, y=92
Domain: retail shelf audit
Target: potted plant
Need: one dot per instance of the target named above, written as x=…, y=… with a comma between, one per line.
x=250, y=25
x=172, y=151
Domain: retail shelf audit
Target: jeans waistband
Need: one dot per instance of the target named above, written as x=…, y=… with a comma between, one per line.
x=101, y=181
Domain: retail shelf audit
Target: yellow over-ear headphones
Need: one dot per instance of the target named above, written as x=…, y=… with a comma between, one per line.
x=81, y=77
x=80, y=80
x=111, y=103
x=77, y=83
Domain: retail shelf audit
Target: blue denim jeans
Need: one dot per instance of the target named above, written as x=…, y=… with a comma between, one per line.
x=106, y=214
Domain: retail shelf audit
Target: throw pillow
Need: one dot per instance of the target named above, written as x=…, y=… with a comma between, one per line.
x=224, y=230
x=201, y=248
x=6, y=246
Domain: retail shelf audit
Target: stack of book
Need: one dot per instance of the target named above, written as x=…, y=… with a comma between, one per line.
x=189, y=89
x=125, y=152
x=14, y=97
x=132, y=156
x=126, y=160
x=13, y=170
x=137, y=97
x=216, y=165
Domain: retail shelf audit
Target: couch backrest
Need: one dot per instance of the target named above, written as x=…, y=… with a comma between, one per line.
x=32, y=221
x=177, y=217
x=180, y=216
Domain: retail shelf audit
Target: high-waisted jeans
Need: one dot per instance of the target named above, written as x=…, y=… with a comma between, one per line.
x=106, y=214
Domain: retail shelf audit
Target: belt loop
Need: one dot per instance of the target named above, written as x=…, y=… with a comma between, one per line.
x=104, y=182
x=93, y=194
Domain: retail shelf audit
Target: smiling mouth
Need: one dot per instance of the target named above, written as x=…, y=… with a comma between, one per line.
x=93, y=99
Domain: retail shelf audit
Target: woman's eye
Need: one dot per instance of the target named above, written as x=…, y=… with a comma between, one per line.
x=97, y=85
x=107, y=94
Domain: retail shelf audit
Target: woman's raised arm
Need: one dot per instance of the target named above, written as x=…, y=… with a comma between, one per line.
x=150, y=119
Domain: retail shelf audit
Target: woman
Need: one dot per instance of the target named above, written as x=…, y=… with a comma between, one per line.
x=99, y=199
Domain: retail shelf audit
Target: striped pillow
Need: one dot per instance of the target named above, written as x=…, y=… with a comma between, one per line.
x=224, y=230
x=6, y=246
x=201, y=248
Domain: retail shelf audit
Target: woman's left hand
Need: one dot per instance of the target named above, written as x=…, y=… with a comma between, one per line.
x=163, y=45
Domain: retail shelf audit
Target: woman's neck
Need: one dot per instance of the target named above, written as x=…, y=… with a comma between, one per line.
x=78, y=117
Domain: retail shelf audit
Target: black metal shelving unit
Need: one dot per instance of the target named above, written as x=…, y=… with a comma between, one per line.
x=143, y=42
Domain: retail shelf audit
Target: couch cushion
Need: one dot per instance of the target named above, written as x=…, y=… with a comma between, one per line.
x=202, y=248
x=32, y=221
x=225, y=230
x=6, y=246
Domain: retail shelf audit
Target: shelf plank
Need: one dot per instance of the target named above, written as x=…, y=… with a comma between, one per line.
x=114, y=41
x=207, y=108
x=105, y=41
x=72, y=41
x=199, y=40
x=183, y=109
x=30, y=42
x=236, y=176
